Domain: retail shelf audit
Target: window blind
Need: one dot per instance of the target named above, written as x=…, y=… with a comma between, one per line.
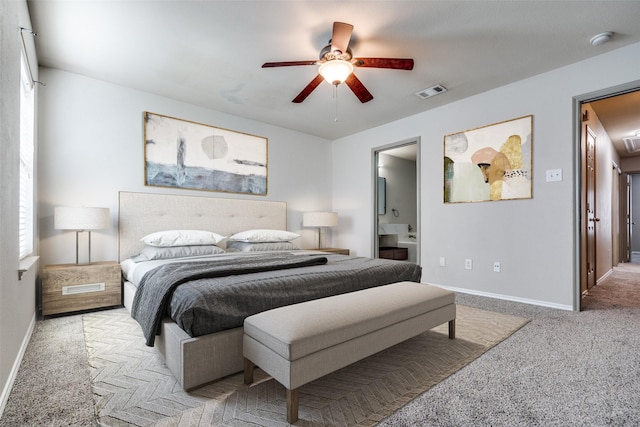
x=27, y=126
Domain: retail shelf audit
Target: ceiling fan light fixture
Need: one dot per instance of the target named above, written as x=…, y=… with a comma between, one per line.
x=336, y=71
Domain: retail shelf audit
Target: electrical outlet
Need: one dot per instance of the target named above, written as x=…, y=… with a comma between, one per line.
x=496, y=266
x=468, y=264
x=442, y=262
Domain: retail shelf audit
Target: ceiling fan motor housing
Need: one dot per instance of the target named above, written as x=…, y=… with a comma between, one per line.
x=327, y=55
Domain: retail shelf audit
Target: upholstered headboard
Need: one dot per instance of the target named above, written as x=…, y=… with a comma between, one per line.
x=144, y=213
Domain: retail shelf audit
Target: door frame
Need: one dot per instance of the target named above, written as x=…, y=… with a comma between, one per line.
x=579, y=190
x=616, y=205
x=375, y=151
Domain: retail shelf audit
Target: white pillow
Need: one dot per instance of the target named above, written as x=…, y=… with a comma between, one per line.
x=149, y=253
x=236, y=246
x=182, y=238
x=264, y=236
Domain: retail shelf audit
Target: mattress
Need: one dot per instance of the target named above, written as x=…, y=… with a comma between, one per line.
x=211, y=304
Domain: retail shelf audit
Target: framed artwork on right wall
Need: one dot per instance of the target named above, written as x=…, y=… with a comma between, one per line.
x=489, y=163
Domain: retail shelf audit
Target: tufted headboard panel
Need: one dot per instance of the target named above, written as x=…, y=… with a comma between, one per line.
x=143, y=213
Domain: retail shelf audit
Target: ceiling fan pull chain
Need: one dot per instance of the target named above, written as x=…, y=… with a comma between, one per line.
x=335, y=98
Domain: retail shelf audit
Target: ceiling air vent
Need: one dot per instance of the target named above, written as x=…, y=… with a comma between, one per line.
x=632, y=144
x=431, y=91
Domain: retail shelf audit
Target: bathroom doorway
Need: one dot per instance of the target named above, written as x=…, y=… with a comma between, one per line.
x=396, y=208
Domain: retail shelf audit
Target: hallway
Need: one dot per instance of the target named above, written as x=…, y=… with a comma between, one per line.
x=620, y=289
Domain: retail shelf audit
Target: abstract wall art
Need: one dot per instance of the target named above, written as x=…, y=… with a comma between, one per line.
x=186, y=154
x=492, y=162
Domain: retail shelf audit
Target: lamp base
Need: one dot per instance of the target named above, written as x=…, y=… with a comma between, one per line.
x=89, y=247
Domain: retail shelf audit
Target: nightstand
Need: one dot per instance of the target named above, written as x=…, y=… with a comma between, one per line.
x=339, y=251
x=72, y=287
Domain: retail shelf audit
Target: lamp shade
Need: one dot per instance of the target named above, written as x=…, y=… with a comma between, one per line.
x=67, y=218
x=336, y=71
x=319, y=219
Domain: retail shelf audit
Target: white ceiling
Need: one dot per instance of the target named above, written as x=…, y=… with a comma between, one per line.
x=209, y=53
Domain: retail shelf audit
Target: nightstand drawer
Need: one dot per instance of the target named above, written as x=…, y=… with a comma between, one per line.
x=71, y=287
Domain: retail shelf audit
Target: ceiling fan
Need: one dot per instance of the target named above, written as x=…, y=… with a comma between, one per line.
x=337, y=63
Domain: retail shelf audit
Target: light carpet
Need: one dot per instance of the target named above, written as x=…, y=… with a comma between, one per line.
x=132, y=386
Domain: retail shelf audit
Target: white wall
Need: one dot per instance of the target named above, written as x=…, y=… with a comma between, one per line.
x=533, y=239
x=91, y=147
x=17, y=297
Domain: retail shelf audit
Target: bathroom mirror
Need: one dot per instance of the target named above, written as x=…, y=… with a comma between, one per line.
x=382, y=196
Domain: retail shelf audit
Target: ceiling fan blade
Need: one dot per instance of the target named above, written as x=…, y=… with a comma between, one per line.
x=288, y=64
x=394, y=63
x=358, y=88
x=341, y=36
x=307, y=90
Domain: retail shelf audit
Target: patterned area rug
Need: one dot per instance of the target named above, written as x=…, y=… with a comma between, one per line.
x=133, y=387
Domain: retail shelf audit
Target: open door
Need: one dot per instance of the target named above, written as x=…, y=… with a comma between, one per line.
x=590, y=209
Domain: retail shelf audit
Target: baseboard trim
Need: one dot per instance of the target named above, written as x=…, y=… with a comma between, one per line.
x=604, y=276
x=508, y=298
x=6, y=391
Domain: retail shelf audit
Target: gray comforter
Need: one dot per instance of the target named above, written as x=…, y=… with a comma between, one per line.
x=207, y=297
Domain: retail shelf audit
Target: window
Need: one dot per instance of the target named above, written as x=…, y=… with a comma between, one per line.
x=27, y=125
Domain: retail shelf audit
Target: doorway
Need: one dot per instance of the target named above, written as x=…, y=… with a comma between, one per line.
x=602, y=121
x=396, y=207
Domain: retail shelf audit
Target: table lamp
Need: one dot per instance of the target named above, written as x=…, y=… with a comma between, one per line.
x=319, y=219
x=81, y=219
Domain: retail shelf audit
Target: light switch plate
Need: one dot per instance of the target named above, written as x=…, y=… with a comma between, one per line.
x=554, y=175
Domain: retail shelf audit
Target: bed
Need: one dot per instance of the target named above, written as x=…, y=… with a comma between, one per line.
x=208, y=356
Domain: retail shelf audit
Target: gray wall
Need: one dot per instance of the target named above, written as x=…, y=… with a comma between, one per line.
x=17, y=297
x=91, y=147
x=534, y=239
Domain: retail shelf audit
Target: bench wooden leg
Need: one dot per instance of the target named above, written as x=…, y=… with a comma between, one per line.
x=452, y=329
x=248, y=371
x=292, y=406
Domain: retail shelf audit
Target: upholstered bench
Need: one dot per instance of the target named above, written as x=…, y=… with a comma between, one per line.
x=299, y=343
